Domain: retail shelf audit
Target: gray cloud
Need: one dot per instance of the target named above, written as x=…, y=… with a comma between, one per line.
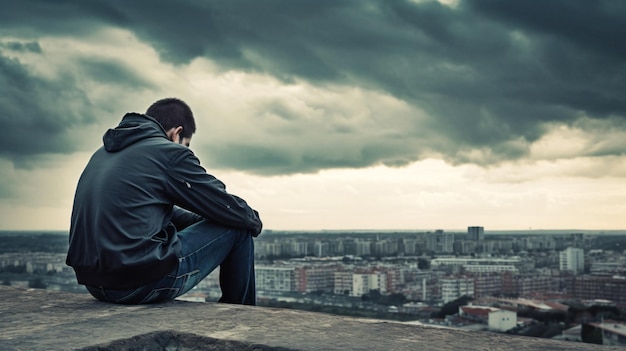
x=110, y=72
x=490, y=74
x=34, y=112
x=31, y=46
x=486, y=75
x=41, y=113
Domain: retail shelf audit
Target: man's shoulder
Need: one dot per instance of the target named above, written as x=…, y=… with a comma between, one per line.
x=159, y=144
x=161, y=147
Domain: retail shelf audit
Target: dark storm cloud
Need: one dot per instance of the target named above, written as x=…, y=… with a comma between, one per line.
x=491, y=74
x=34, y=112
x=38, y=112
x=574, y=21
x=33, y=18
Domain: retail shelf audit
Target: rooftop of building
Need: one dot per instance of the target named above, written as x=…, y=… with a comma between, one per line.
x=480, y=311
x=615, y=327
x=37, y=319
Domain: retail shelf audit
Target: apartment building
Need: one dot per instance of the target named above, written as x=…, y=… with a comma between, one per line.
x=454, y=287
x=487, y=284
x=363, y=247
x=365, y=282
x=272, y=278
x=515, y=284
x=315, y=278
x=476, y=233
x=440, y=242
x=321, y=249
x=358, y=284
x=479, y=265
x=590, y=287
x=572, y=259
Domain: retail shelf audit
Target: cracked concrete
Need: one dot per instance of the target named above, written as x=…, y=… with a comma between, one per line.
x=33, y=319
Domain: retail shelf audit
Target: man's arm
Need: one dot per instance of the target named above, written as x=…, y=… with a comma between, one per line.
x=196, y=190
x=182, y=218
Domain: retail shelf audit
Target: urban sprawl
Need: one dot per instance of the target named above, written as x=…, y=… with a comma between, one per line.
x=498, y=282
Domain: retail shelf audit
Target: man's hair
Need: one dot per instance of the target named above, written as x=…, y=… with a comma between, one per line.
x=171, y=113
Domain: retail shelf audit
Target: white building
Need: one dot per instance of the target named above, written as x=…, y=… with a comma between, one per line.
x=322, y=249
x=358, y=284
x=298, y=248
x=453, y=288
x=479, y=265
x=502, y=320
x=495, y=318
x=363, y=248
x=270, y=278
x=363, y=283
x=572, y=259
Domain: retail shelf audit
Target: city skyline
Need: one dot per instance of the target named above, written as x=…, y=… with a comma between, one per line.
x=324, y=115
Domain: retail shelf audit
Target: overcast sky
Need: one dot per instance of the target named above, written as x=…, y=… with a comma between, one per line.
x=332, y=114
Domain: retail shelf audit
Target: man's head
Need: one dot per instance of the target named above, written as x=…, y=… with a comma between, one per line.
x=176, y=118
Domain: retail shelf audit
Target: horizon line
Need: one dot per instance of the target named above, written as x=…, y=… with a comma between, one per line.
x=383, y=230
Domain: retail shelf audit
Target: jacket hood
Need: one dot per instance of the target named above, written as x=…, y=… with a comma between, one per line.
x=133, y=128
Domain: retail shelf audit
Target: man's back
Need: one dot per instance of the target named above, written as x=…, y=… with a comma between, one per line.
x=122, y=206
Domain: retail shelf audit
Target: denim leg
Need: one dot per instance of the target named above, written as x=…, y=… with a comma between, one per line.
x=237, y=278
x=164, y=289
x=205, y=246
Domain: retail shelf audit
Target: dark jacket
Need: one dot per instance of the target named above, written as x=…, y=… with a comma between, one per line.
x=125, y=214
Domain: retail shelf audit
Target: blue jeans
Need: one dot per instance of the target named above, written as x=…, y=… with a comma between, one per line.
x=204, y=247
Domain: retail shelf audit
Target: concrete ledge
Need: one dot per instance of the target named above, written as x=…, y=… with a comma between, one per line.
x=34, y=319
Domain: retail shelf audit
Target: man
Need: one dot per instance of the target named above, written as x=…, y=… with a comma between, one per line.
x=149, y=223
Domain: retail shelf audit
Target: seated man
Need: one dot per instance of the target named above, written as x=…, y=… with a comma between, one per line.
x=149, y=223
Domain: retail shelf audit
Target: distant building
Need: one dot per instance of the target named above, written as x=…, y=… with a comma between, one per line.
x=497, y=319
x=358, y=284
x=608, y=268
x=315, y=278
x=476, y=233
x=364, y=283
x=502, y=320
x=572, y=259
x=538, y=242
x=479, y=265
x=487, y=284
x=343, y=283
x=321, y=249
x=577, y=240
x=454, y=287
x=611, y=332
x=270, y=278
x=297, y=248
x=440, y=242
x=409, y=246
x=590, y=287
x=385, y=248
x=516, y=284
x=363, y=248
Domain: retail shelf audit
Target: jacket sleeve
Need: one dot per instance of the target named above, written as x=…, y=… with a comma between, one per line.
x=194, y=189
x=182, y=218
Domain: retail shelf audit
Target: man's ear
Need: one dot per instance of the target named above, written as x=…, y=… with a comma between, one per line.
x=174, y=133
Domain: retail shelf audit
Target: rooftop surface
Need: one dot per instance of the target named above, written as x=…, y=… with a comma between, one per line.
x=36, y=319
